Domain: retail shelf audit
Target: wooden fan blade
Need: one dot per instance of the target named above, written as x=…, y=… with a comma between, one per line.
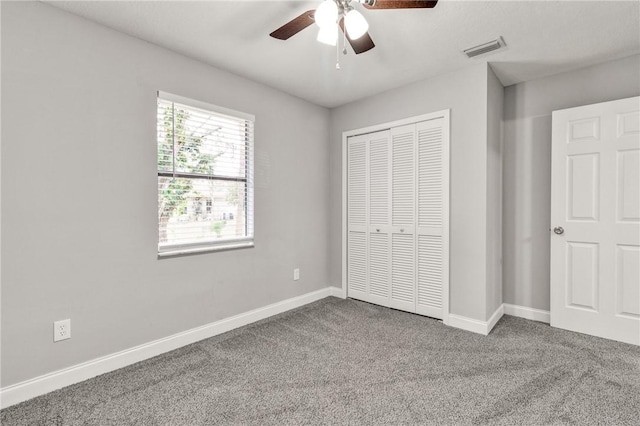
x=360, y=45
x=406, y=4
x=294, y=26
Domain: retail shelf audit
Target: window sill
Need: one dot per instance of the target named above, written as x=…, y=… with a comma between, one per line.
x=186, y=251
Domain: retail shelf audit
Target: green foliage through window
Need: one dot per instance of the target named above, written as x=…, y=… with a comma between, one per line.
x=204, y=185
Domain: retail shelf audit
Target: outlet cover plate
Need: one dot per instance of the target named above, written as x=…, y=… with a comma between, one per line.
x=62, y=330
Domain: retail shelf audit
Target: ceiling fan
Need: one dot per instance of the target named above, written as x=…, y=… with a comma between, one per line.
x=333, y=14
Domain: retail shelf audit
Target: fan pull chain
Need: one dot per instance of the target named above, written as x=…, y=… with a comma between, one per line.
x=344, y=48
x=338, y=54
x=344, y=42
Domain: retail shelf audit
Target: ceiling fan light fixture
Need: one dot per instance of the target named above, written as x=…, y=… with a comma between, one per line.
x=341, y=15
x=356, y=25
x=326, y=14
x=328, y=35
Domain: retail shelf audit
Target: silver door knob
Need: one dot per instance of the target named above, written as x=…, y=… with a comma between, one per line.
x=558, y=230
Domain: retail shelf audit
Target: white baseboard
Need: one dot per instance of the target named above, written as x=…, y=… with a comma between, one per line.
x=527, y=313
x=338, y=292
x=495, y=318
x=468, y=324
x=474, y=325
x=28, y=389
x=483, y=327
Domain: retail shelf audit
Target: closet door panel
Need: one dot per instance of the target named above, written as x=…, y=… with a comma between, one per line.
x=379, y=217
x=357, y=184
x=432, y=194
x=403, y=145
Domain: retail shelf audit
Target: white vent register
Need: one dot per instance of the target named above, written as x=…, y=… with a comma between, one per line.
x=483, y=48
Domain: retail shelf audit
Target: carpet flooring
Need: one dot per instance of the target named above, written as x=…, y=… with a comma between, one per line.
x=348, y=362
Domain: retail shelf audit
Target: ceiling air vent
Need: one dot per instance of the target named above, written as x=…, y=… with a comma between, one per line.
x=483, y=48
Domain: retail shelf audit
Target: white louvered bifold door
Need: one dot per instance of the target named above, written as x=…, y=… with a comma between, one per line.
x=379, y=218
x=397, y=217
x=432, y=213
x=357, y=217
x=403, y=289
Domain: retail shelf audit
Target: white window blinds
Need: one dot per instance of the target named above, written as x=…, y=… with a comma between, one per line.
x=205, y=176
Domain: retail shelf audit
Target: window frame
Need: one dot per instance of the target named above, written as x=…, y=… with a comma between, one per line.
x=246, y=241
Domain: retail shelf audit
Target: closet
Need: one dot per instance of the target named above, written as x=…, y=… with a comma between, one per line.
x=397, y=198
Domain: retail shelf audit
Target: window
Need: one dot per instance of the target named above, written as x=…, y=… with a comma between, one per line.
x=205, y=177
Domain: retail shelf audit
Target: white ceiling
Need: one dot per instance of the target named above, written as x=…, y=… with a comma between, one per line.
x=542, y=37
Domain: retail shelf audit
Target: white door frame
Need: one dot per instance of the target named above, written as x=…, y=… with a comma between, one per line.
x=444, y=114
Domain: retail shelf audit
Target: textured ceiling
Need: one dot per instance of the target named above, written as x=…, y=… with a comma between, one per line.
x=542, y=37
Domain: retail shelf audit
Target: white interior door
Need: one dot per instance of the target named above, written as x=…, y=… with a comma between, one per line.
x=595, y=220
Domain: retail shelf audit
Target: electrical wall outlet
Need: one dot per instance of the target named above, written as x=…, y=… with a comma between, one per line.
x=62, y=330
x=296, y=274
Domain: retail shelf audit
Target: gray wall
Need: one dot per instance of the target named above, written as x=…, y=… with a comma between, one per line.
x=465, y=93
x=495, y=100
x=527, y=167
x=79, y=208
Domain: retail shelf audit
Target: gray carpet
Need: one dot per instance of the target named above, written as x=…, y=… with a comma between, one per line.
x=348, y=362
